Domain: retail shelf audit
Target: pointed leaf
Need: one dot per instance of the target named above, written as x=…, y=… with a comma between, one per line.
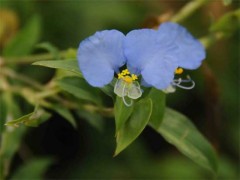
x=68, y=65
x=178, y=130
x=135, y=125
x=80, y=89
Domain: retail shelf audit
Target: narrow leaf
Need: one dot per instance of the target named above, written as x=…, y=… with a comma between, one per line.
x=68, y=65
x=80, y=89
x=178, y=130
x=135, y=125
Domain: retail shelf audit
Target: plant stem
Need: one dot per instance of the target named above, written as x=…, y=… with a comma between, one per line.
x=32, y=58
x=188, y=9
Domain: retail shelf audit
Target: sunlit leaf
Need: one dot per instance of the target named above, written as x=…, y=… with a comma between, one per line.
x=68, y=65
x=23, y=43
x=33, y=169
x=135, y=124
x=80, y=89
x=121, y=112
x=178, y=130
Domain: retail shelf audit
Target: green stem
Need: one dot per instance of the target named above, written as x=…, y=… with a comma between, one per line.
x=188, y=9
x=209, y=40
x=32, y=58
x=23, y=78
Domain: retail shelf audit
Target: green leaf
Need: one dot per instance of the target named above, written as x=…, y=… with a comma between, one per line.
x=122, y=113
x=80, y=89
x=228, y=23
x=135, y=125
x=50, y=48
x=33, y=119
x=68, y=65
x=33, y=169
x=23, y=43
x=178, y=130
x=64, y=113
x=158, y=99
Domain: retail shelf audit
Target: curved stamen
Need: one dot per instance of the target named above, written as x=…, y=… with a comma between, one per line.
x=177, y=82
x=123, y=97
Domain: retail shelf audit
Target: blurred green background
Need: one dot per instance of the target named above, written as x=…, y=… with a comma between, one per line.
x=56, y=150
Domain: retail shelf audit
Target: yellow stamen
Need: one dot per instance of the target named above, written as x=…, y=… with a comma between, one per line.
x=128, y=79
x=120, y=76
x=125, y=72
x=179, y=71
x=134, y=77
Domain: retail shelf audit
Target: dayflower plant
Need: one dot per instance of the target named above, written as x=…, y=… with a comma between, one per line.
x=151, y=56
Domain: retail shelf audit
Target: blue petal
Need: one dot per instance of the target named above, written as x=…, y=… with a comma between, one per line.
x=100, y=55
x=159, y=74
x=190, y=51
x=149, y=54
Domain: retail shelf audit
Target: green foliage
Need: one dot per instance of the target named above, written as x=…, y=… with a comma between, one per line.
x=69, y=65
x=135, y=124
x=121, y=112
x=50, y=48
x=69, y=95
x=33, y=119
x=227, y=24
x=79, y=88
x=178, y=130
x=158, y=100
x=34, y=169
x=65, y=113
x=25, y=40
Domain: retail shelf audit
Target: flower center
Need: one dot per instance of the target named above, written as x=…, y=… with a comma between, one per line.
x=127, y=86
x=127, y=77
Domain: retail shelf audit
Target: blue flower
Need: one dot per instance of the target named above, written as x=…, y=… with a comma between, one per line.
x=155, y=55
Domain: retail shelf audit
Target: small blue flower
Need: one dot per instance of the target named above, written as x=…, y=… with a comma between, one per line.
x=155, y=55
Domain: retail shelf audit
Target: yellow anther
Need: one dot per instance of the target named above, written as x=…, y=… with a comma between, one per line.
x=125, y=72
x=128, y=79
x=120, y=76
x=134, y=77
x=179, y=71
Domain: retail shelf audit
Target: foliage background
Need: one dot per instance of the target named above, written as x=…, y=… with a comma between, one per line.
x=56, y=150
